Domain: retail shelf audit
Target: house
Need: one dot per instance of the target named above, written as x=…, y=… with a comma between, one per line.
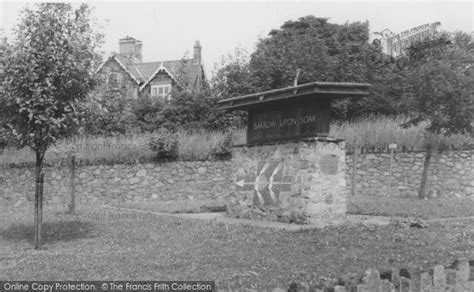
x=125, y=73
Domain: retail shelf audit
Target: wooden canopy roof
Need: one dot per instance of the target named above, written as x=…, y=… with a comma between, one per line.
x=312, y=90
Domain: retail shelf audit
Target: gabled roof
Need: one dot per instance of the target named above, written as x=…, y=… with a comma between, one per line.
x=123, y=63
x=143, y=73
x=161, y=68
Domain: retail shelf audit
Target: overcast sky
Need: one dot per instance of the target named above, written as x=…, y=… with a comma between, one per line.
x=169, y=29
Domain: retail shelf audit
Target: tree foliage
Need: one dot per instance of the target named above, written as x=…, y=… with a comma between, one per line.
x=323, y=51
x=440, y=92
x=48, y=72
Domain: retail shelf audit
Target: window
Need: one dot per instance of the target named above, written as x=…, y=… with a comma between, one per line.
x=161, y=90
x=114, y=81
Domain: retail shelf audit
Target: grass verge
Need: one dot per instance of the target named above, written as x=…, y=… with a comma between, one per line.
x=406, y=207
x=120, y=245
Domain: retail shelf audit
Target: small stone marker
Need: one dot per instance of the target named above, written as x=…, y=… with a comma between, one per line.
x=386, y=286
x=426, y=281
x=362, y=288
x=450, y=276
x=439, y=277
x=404, y=284
x=372, y=280
x=415, y=278
x=462, y=270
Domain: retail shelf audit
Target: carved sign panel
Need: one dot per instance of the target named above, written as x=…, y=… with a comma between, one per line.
x=287, y=121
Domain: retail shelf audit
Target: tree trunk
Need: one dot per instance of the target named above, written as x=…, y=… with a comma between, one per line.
x=38, y=198
x=72, y=165
x=426, y=164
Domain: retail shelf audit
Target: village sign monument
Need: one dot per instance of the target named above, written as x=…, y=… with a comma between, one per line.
x=290, y=170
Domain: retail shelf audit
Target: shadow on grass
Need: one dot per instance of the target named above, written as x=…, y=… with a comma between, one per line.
x=51, y=231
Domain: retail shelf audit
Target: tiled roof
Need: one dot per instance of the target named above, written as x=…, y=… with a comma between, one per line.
x=143, y=71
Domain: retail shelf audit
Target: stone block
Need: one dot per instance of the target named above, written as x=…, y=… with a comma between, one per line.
x=450, y=276
x=372, y=279
x=471, y=269
x=426, y=281
x=134, y=180
x=405, y=284
x=386, y=286
x=461, y=267
x=439, y=276
x=395, y=278
x=141, y=173
x=415, y=278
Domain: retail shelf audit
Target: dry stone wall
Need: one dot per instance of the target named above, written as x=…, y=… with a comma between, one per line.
x=451, y=174
x=105, y=183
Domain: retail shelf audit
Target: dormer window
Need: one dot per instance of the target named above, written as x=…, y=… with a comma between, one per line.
x=161, y=90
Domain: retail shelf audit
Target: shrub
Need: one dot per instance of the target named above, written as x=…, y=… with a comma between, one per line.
x=165, y=145
x=223, y=150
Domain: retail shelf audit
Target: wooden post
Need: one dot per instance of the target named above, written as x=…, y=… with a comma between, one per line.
x=390, y=174
x=72, y=183
x=354, y=169
x=392, y=147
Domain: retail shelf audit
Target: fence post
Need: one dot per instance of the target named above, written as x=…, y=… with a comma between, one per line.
x=72, y=182
x=392, y=147
x=354, y=169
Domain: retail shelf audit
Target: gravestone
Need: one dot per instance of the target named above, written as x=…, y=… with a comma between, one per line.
x=290, y=170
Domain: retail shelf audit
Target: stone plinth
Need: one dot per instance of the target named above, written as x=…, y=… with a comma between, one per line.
x=301, y=182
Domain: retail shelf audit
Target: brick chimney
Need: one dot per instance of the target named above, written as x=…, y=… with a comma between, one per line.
x=138, y=51
x=197, y=53
x=131, y=49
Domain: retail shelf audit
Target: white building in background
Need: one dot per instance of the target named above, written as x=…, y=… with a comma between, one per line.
x=393, y=44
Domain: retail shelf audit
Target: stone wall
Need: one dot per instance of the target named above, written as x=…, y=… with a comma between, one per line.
x=105, y=183
x=290, y=182
x=451, y=173
x=459, y=277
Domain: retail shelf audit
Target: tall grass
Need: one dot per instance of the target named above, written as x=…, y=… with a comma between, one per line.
x=379, y=132
x=376, y=132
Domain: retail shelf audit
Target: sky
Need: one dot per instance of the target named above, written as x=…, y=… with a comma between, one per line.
x=169, y=29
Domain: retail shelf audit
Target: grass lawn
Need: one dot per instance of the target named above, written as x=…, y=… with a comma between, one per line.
x=175, y=206
x=404, y=207
x=363, y=205
x=106, y=244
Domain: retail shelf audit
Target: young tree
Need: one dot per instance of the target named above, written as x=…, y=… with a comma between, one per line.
x=441, y=95
x=49, y=73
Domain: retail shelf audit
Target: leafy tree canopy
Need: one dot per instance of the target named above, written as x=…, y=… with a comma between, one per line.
x=49, y=73
x=323, y=51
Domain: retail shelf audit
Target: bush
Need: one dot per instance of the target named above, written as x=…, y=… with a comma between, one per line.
x=223, y=150
x=165, y=145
